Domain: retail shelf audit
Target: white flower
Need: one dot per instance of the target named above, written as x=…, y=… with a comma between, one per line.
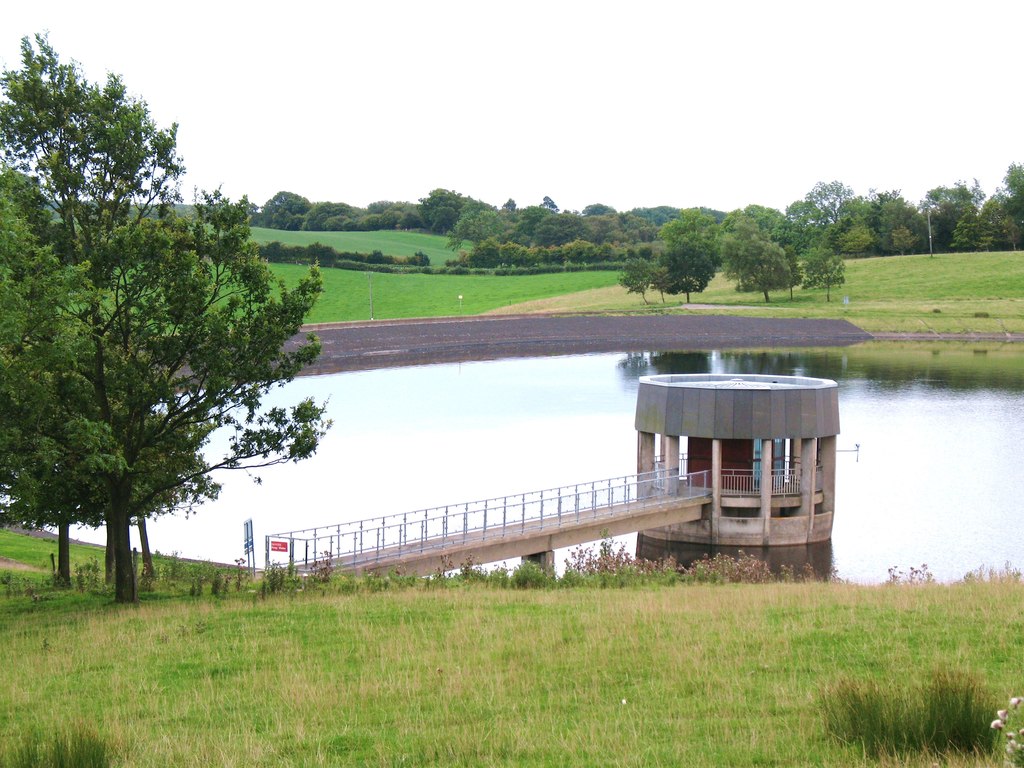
x=1015, y=702
x=1001, y=714
x=997, y=725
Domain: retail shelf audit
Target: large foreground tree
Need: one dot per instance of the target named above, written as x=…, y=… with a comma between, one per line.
x=170, y=329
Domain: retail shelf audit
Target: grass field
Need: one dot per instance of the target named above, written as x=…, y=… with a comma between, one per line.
x=385, y=673
x=388, y=242
x=346, y=293
x=950, y=293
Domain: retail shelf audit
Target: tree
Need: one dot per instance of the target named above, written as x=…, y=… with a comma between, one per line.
x=175, y=328
x=903, y=240
x=598, y=209
x=527, y=220
x=285, y=210
x=559, y=229
x=823, y=269
x=829, y=201
x=326, y=217
x=636, y=277
x=858, y=239
x=35, y=337
x=548, y=203
x=753, y=260
x=1014, y=195
x=690, y=257
x=947, y=205
x=477, y=222
x=440, y=210
x=897, y=225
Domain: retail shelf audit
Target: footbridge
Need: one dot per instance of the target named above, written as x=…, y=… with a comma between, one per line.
x=524, y=525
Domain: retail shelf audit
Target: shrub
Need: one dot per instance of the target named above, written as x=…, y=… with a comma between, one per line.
x=724, y=569
x=529, y=575
x=947, y=714
x=87, y=576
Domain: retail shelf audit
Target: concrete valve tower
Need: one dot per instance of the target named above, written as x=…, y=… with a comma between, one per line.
x=764, y=445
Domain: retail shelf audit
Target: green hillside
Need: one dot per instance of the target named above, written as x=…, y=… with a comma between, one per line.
x=950, y=293
x=388, y=242
x=346, y=293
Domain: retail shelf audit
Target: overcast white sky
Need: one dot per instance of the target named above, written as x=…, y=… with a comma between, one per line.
x=630, y=104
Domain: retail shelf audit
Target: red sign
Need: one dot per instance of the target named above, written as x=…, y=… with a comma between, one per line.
x=278, y=546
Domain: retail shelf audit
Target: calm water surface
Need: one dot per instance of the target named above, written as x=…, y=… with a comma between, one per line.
x=937, y=480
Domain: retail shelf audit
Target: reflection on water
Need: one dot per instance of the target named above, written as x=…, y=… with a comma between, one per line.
x=816, y=558
x=937, y=480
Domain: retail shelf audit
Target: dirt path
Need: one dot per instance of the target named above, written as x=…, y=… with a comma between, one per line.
x=382, y=344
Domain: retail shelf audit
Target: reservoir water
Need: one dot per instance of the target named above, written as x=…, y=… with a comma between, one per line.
x=938, y=479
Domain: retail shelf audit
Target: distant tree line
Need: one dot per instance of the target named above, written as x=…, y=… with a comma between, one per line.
x=830, y=216
x=326, y=256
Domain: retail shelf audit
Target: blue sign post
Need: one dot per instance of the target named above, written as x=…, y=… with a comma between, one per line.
x=250, y=548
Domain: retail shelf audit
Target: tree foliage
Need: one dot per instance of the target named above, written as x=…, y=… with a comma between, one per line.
x=753, y=260
x=172, y=327
x=691, y=257
x=637, y=276
x=440, y=210
x=823, y=269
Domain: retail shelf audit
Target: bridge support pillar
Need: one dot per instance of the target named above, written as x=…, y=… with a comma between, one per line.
x=546, y=560
x=766, y=490
x=716, y=488
x=827, y=456
x=808, y=469
x=644, y=461
x=670, y=453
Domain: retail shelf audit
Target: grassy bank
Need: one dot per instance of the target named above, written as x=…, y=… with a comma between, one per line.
x=614, y=668
x=472, y=675
x=950, y=293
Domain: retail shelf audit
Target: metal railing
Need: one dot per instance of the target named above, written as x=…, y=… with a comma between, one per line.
x=366, y=541
x=747, y=482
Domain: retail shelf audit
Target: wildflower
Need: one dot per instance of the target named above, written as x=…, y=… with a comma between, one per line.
x=1015, y=702
x=623, y=701
x=997, y=725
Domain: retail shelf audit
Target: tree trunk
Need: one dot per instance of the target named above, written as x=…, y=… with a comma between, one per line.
x=766, y=300
x=119, y=524
x=108, y=556
x=147, y=557
x=64, y=555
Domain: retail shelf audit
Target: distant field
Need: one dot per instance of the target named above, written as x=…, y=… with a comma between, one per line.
x=347, y=293
x=950, y=293
x=389, y=242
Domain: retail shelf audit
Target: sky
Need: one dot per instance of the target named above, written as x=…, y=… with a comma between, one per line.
x=630, y=104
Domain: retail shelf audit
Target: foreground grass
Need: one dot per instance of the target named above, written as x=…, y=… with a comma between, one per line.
x=472, y=675
x=950, y=293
